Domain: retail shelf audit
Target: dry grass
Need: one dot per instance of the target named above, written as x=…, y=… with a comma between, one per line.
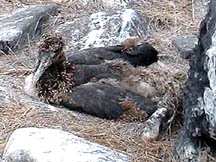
x=94, y=129
x=168, y=18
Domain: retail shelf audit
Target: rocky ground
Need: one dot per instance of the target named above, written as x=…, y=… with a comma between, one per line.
x=168, y=19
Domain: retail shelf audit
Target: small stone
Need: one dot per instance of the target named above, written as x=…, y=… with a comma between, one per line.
x=185, y=45
x=156, y=123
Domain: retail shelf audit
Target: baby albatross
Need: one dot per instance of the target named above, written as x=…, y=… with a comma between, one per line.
x=57, y=80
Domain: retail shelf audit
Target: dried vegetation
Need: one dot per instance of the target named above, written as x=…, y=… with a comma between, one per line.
x=168, y=18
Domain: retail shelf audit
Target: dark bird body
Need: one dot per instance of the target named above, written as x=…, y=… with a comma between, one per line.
x=141, y=55
x=80, y=83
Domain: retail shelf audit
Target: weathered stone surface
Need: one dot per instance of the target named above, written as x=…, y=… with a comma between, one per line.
x=104, y=29
x=151, y=129
x=74, y=32
x=200, y=9
x=11, y=91
x=156, y=123
x=186, y=147
x=45, y=145
x=200, y=95
x=185, y=45
x=112, y=4
x=7, y=86
x=19, y=27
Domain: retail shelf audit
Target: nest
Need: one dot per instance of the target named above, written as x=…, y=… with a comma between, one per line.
x=132, y=112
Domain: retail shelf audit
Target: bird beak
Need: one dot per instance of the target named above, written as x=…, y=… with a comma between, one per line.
x=42, y=66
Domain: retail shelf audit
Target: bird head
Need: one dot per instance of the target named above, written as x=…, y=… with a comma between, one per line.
x=51, y=51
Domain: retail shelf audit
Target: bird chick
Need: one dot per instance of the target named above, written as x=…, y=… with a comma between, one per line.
x=129, y=43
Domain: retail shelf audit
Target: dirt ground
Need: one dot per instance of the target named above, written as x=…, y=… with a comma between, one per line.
x=168, y=18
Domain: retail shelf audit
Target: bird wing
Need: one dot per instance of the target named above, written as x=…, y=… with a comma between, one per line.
x=104, y=100
x=142, y=55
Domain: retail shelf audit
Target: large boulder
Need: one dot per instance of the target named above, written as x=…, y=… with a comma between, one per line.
x=45, y=145
x=19, y=27
x=199, y=131
x=104, y=29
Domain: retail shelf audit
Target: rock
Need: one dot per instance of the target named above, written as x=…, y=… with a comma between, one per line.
x=104, y=29
x=200, y=95
x=19, y=27
x=185, y=45
x=111, y=4
x=11, y=91
x=200, y=9
x=156, y=123
x=151, y=129
x=115, y=3
x=8, y=85
x=186, y=147
x=74, y=32
x=34, y=103
x=45, y=145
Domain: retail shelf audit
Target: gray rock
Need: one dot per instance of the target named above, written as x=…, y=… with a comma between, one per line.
x=156, y=123
x=200, y=96
x=209, y=94
x=19, y=27
x=11, y=91
x=200, y=8
x=185, y=45
x=8, y=85
x=151, y=129
x=112, y=4
x=45, y=145
x=103, y=29
x=186, y=147
x=74, y=32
